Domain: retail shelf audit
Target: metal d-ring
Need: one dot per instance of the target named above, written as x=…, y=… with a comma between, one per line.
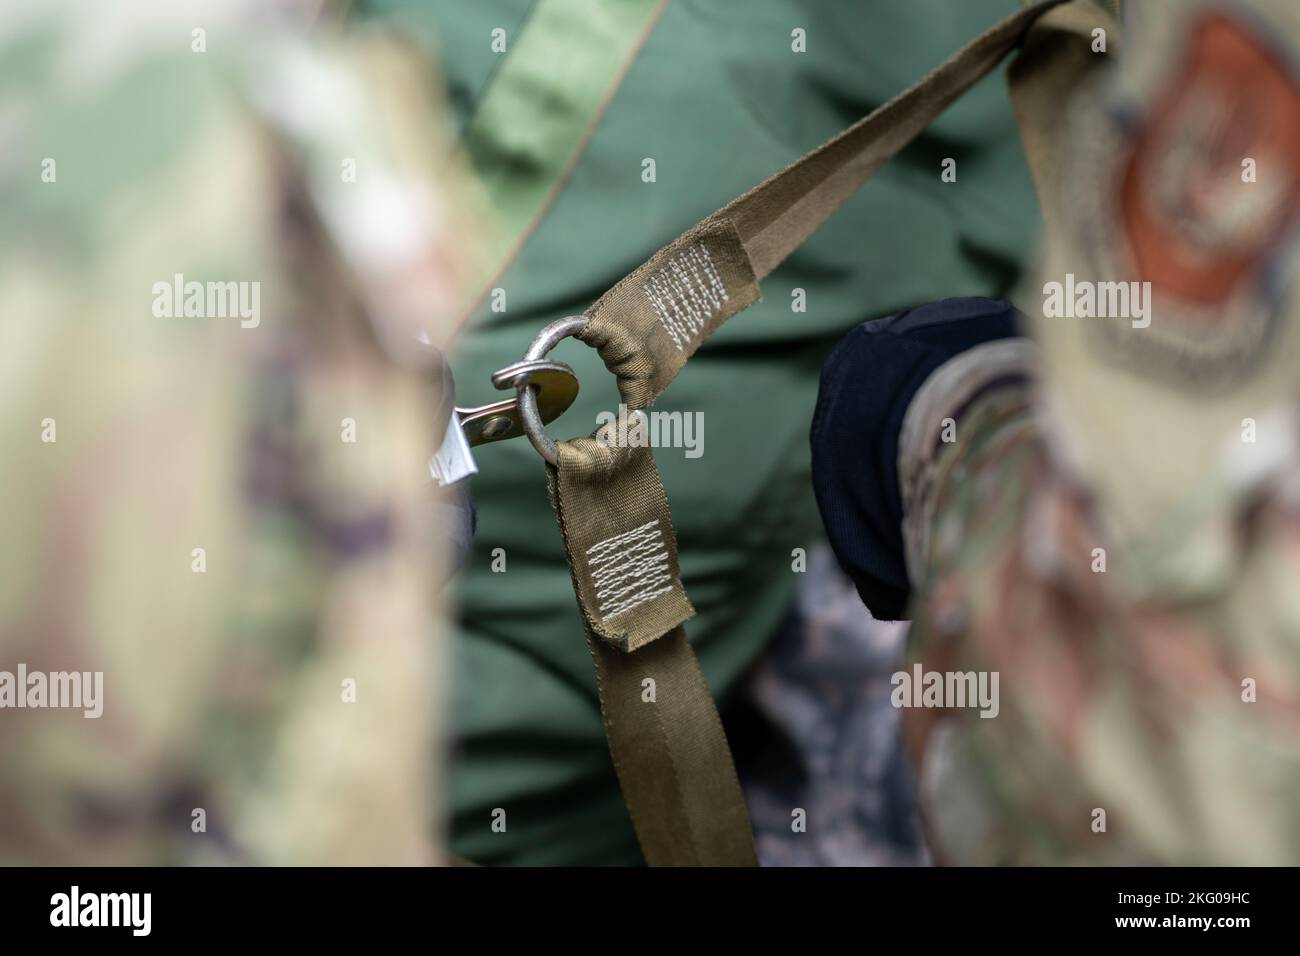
x=529, y=416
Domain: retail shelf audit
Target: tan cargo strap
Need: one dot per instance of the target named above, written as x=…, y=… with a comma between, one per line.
x=664, y=733
x=1055, y=61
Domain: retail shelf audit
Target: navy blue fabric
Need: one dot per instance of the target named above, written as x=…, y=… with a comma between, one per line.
x=867, y=382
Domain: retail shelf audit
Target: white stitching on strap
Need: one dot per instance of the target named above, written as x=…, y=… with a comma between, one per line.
x=686, y=293
x=629, y=569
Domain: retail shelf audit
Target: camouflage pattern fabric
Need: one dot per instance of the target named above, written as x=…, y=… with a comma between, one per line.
x=830, y=786
x=1119, y=538
x=219, y=499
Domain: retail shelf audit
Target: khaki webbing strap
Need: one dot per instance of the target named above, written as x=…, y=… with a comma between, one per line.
x=669, y=750
x=671, y=756
x=651, y=322
x=1053, y=64
x=776, y=217
x=618, y=536
x=665, y=735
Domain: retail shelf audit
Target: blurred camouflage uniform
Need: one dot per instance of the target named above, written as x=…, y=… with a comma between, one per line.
x=215, y=142
x=1119, y=535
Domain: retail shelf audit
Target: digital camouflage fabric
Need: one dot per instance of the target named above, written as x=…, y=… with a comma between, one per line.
x=1120, y=540
x=223, y=233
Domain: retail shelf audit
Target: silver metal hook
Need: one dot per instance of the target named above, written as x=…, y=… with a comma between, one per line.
x=534, y=424
x=548, y=386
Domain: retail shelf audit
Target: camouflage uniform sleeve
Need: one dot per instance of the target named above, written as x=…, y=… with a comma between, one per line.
x=969, y=452
x=1126, y=727
x=222, y=510
x=1115, y=542
x=970, y=458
